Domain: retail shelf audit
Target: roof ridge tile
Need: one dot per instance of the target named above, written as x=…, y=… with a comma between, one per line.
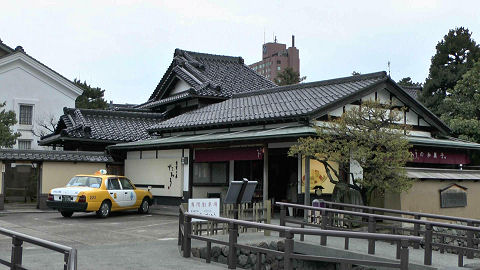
x=341, y=80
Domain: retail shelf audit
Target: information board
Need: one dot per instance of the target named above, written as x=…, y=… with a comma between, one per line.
x=207, y=207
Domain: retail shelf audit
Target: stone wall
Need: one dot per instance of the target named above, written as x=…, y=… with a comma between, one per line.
x=453, y=240
x=248, y=260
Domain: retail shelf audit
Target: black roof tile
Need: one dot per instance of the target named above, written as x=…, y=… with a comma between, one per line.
x=277, y=103
x=412, y=90
x=48, y=155
x=209, y=75
x=118, y=126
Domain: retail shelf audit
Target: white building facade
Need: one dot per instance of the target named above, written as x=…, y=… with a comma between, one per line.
x=36, y=93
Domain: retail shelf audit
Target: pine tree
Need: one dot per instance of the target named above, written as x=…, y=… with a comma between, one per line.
x=91, y=98
x=370, y=135
x=288, y=76
x=7, y=120
x=407, y=81
x=463, y=115
x=455, y=55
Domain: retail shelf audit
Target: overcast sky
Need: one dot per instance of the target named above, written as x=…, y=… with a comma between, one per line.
x=125, y=47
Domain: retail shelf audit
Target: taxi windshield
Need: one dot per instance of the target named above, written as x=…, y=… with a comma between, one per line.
x=85, y=181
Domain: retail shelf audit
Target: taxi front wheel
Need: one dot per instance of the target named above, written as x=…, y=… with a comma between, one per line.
x=104, y=210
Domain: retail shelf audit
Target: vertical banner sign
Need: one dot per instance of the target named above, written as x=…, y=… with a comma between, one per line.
x=207, y=207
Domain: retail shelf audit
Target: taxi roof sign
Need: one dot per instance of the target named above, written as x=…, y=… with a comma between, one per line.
x=101, y=172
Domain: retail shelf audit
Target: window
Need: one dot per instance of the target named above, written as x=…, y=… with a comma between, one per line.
x=279, y=62
x=279, y=68
x=126, y=183
x=25, y=115
x=24, y=144
x=210, y=173
x=113, y=184
x=85, y=181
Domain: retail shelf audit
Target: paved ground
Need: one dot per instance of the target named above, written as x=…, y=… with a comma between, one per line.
x=125, y=240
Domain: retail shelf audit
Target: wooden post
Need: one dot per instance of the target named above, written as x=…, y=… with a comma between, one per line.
x=187, y=241
x=288, y=250
x=307, y=187
x=180, y=224
x=268, y=210
x=232, y=249
x=427, y=260
x=404, y=255
x=209, y=251
x=302, y=236
x=265, y=173
x=283, y=214
x=399, y=248
x=323, y=238
x=416, y=232
x=470, y=236
x=16, y=256
x=371, y=229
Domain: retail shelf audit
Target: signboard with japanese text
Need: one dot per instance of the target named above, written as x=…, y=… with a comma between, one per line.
x=453, y=196
x=207, y=207
x=438, y=156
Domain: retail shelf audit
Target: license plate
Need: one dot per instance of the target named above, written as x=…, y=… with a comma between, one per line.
x=67, y=198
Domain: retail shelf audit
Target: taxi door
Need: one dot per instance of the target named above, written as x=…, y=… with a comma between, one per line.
x=129, y=197
x=115, y=190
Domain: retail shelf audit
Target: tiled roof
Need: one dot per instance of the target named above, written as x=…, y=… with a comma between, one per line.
x=104, y=125
x=278, y=103
x=47, y=155
x=412, y=90
x=209, y=75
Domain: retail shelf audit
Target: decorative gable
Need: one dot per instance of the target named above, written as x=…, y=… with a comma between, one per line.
x=179, y=87
x=206, y=76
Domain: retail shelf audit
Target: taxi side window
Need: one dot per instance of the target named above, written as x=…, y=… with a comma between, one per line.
x=125, y=183
x=113, y=184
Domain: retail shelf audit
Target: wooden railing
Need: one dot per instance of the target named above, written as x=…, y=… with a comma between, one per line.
x=330, y=219
x=185, y=237
x=70, y=254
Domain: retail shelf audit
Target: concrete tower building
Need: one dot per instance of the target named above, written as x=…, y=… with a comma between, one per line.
x=275, y=58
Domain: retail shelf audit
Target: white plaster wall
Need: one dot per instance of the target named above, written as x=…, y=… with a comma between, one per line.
x=181, y=86
x=151, y=168
x=412, y=118
x=20, y=83
x=383, y=96
x=337, y=112
x=370, y=97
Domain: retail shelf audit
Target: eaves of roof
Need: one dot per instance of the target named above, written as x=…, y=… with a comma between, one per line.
x=58, y=139
x=219, y=137
x=445, y=143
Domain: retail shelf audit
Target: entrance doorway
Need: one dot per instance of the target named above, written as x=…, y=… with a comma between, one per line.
x=282, y=175
x=21, y=182
x=253, y=171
